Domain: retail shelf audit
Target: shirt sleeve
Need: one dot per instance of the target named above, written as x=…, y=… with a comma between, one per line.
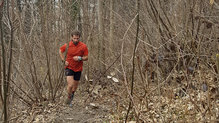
x=85, y=51
x=63, y=47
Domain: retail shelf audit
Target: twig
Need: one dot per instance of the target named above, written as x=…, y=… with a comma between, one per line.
x=22, y=90
x=13, y=118
x=28, y=103
x=133, y=60
x=101, y=74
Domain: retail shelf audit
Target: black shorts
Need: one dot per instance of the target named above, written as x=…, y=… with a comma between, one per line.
x=69, y=72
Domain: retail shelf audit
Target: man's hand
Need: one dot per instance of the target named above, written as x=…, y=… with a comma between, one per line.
x=66, y=63
x=76, y=58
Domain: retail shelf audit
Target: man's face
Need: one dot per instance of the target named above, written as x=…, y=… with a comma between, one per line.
x=75, y=39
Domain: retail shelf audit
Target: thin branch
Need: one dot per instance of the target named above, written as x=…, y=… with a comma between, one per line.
x=133, y=60
x=22, y=91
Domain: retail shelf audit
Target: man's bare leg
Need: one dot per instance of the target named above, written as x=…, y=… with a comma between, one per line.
x=75, y=85
x=71, y=88
x=70, y=81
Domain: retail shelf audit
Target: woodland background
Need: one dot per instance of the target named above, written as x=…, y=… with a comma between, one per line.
x=151, y=60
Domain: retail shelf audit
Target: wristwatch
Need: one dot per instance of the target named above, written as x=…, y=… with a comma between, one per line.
x=79, y=58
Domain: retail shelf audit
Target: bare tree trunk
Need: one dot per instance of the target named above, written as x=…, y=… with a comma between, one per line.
x=11, y=20
x=27, y=19
x=111, y=24
x=79, y=16
x=133, y=57
x=4, y=76
x=2, y=59
x=85, y=18
x=1, y=39
x=45, y=25
x=101, y=43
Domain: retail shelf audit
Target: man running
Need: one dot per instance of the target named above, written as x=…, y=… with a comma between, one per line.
x=77, y=52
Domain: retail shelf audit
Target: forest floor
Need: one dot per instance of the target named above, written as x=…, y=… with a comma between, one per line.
x=99, y=104
x=59, y=112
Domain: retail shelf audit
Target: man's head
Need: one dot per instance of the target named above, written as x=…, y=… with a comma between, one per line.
x=75, y=35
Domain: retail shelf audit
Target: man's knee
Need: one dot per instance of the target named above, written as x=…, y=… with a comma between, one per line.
x=70, y=84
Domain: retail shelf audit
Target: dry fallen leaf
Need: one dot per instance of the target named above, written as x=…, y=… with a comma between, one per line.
x=109, y=77
x=115, y=79
x=132, y=121
x=93, y=105
x=211, y=2
x=86, y=78
x=37, y=120
x=112, y=73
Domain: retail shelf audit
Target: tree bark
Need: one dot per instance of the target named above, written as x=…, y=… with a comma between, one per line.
x=1, y=39
x=101, y=43
x=111, y=23
x=2, y=58
x=133, y=57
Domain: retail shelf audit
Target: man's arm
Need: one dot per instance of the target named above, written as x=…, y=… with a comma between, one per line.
x=62, y=55
x=84, y=58
x=79, y=58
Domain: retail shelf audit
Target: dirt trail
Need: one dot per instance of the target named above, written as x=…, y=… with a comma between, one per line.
x=58, y=112
x=80, y=113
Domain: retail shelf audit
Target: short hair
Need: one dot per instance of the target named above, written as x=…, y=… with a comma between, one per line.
x=76, y=32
